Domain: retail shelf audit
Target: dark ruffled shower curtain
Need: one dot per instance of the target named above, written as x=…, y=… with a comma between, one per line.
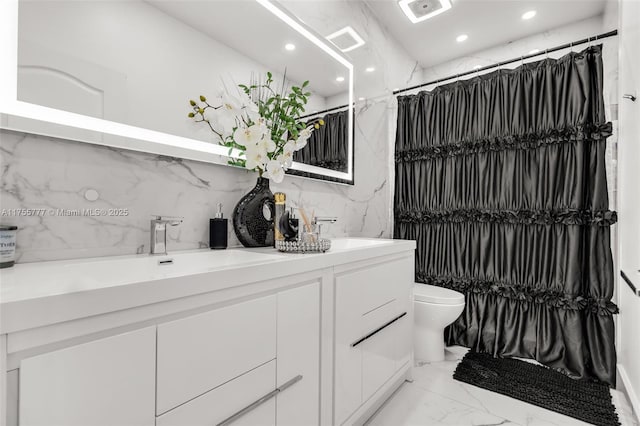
x=327, y=146
x=501, y=180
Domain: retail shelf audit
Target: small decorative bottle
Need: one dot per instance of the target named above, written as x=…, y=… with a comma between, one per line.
x=218, y=231
x=281, y=200
x=292, y=226
x=7, y=245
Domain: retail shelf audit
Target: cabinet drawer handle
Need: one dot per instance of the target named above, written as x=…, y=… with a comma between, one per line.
x=259, y=401
x=356, y=343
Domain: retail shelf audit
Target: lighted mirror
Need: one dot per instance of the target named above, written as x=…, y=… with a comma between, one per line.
x=122, y=74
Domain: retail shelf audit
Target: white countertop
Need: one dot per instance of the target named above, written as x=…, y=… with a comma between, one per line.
x=42, y=293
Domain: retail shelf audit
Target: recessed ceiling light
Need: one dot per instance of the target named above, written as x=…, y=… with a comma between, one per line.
x=534, y=51
x=338, y=38
x=340, y=78
x=528, y=15
x=361, y=98
x=477, y=67
x=461, y=38
x=370, y=69
x=290, y=46
x=414, y=9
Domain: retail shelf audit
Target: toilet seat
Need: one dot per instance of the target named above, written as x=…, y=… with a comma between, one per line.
x=436, y=295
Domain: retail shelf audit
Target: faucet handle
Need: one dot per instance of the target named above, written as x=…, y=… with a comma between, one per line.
x=171, y=220
x=320, y=220
x=329, y=219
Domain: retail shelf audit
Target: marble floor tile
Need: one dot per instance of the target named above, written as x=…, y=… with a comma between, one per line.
x=413, y=406
x=623, y=407
x=435, y=398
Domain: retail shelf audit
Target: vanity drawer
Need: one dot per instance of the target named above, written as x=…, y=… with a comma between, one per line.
x=372, y=330
x=222, y=402
x=369, y=288
x=199, y=353
x=383, y=354
x=366, y=298
x=378, y=317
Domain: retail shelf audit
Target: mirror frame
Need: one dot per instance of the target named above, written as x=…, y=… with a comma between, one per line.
x=146, y=140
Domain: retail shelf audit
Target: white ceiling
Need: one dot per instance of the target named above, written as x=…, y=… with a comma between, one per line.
x=252, y=30
x=488, y=23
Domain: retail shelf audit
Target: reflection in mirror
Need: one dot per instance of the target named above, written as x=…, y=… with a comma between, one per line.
x=328, y=145
x=139, y=62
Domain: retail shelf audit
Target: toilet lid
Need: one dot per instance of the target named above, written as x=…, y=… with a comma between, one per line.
x=436, y=295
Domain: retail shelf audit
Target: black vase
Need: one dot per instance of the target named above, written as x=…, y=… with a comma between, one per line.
x=253, y=216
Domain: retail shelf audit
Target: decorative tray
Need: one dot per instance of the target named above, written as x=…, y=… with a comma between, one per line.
x=299, y=246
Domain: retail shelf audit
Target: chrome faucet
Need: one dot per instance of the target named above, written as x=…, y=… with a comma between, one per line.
x=159, y=233
x=318, y=225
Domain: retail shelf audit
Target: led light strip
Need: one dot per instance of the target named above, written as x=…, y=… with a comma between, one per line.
x=10, y=106
x=318, y=41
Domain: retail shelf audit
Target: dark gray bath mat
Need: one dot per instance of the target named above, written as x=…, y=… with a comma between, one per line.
x=584, y=400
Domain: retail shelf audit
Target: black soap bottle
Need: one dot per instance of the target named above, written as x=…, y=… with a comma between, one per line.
x=218, y=231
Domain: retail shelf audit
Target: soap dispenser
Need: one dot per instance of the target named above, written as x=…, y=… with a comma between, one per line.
x=218, y=231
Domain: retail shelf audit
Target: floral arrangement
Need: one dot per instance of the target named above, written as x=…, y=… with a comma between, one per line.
x=260, y=122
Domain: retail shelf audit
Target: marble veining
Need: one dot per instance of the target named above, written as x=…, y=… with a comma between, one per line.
x=52, y=174
x=49, y=173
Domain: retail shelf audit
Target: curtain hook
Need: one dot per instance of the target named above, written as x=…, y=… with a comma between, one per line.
x=571, y=47
x=521, y=60
x=546, y=52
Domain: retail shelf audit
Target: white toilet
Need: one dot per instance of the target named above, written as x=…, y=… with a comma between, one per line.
x=435, y=308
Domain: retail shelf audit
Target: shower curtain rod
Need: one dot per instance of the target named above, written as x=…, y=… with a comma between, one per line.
x=325, y=111
x=510, y=61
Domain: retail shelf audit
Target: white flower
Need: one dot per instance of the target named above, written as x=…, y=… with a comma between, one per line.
x=290, y=146
x=255, y=157
x=303, y=137
x=248, y=136
x=249, y=107
x=229, y=112
x=275, y=172
x=286, y=158
x=305, y=133
x=267, y=144
x=212, y=115
x=284, y=162
x=262, y=122
x=300, y=143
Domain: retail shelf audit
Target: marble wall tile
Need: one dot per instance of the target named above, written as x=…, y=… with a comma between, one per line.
x=54, y=175
x=47, y=173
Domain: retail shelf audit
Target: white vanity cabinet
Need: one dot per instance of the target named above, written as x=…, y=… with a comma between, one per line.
x=233, y=397
x=199, y=353
x=374, y=319
x=220, y=363
x=298, y=354
x=302, y=340
x=254, y=362
x=106, y=382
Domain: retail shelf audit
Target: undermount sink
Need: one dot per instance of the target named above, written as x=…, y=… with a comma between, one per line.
x=356, y=243
x=82, y=275
x=192, y=261
x=214, y=259
x=35, y=294
x=28, y=281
